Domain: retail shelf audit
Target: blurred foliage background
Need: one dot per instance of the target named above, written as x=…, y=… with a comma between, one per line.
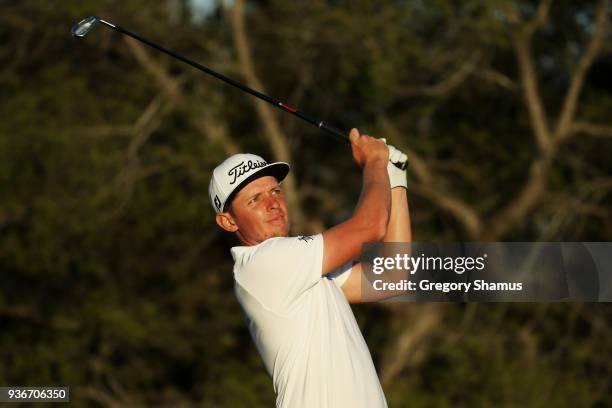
x=116, y=281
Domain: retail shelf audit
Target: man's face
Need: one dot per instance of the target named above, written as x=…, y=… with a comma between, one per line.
x=258, y=212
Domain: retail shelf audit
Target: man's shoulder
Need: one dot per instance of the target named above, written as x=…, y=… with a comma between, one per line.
x=289, y=243
x=278, y=242
x=282, y=245
x=272, y=249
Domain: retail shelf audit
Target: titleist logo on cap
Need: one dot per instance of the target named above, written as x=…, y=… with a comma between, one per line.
x=242, y=168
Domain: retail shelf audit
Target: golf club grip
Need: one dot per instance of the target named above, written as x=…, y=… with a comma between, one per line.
x=344, y=135
x=334, y=132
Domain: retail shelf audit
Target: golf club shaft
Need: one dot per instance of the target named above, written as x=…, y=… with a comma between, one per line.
x=329, y=129
x=84, y=26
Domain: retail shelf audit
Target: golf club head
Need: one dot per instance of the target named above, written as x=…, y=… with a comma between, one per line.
x=84, y=26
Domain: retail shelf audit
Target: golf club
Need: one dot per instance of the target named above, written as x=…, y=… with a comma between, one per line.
x=83, y=27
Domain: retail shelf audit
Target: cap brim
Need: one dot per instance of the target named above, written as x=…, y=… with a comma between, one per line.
x=278, y=170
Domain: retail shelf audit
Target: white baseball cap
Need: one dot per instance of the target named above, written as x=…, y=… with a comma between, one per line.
x=236, y=172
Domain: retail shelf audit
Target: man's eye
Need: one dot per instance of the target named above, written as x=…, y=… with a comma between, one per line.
x=276, y=191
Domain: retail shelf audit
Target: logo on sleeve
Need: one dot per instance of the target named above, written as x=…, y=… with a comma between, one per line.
x=305, y=238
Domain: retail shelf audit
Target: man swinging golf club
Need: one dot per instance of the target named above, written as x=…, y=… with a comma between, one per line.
x=295, y=291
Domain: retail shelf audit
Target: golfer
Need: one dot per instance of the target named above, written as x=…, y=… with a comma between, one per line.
x=295, y=291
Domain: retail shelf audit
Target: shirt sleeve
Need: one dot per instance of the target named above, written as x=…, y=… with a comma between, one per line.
x=341, y=275
x=281, y=270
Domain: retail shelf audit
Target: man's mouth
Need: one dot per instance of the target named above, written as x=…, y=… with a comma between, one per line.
x=277, y=218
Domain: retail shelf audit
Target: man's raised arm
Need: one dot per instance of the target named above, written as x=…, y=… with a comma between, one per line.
x=369, y=221
x=398, y=230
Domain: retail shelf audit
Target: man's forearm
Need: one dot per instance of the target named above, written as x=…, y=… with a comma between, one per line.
x=399, y=228
x=374, y=204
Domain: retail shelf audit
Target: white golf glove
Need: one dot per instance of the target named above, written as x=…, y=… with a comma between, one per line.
x=397, y=176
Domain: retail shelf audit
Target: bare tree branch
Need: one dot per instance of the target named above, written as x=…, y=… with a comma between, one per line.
x=144, y=127
x=463, y=213
x=498, y=78
x=172, y=87
x=535, y=185
x=529, y=84
x=408, y=342
x=540, y=19
x=272, y=131
x=447, y=85
x=146, y=124
x=521, y=35
x=591, y=129
x=514, y=16
x=506, y=218
x=571, y=98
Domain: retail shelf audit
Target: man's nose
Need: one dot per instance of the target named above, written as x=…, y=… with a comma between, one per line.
x=272, y=202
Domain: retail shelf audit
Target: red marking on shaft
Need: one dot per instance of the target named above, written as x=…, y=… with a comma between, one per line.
x=287, y=107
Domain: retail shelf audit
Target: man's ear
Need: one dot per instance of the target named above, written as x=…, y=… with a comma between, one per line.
x=226, y=222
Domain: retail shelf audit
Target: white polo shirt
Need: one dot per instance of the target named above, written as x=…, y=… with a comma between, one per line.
x=303, y=326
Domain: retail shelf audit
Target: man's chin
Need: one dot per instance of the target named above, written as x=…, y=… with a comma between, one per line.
x=281, y=231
